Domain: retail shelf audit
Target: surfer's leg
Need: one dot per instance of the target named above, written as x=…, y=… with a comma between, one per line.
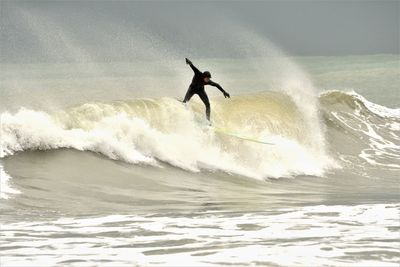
x=189, y=94
x=203, y=96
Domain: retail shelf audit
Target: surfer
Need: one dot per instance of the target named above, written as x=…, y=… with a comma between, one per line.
x=197, y=87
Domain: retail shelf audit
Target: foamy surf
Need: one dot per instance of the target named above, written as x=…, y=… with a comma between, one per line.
x=149, y=131
x=304, y=235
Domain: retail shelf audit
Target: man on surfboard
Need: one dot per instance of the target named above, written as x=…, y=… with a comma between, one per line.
x=197, y=87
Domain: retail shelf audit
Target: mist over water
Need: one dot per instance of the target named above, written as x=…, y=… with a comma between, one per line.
x=97, y=154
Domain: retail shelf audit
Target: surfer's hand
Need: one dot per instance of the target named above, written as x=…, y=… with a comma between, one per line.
x=226, y=94
x=188, y=61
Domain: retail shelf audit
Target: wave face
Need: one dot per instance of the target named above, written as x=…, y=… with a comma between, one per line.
x=150, y=131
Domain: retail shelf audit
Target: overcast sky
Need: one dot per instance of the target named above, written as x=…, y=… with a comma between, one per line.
x=115, y=30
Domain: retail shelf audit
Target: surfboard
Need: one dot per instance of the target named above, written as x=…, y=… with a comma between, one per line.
x=239, y=136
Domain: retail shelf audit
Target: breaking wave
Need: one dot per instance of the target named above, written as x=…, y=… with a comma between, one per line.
x=150, y=131
x=157, y=131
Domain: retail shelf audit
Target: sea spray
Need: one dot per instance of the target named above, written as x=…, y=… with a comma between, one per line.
x=288, y=77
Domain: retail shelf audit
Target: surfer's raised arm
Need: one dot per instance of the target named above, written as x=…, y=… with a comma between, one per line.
x=226, y=94
x=196, y=70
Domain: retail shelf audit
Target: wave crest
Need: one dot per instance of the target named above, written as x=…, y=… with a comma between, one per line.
x=150, y=131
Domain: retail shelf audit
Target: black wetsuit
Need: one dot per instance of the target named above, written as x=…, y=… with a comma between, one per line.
x=197, y=87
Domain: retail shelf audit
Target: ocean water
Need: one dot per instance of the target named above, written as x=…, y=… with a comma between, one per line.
x=101, y=165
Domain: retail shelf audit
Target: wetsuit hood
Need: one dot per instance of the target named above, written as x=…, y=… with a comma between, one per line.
x=206, y=74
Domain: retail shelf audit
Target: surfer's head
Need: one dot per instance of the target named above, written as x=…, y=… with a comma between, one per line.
x=206, y=76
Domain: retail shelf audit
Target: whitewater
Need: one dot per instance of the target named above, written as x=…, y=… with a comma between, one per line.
x=149, y=131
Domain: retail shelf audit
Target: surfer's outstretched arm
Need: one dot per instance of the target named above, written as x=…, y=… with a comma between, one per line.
x=196, y=70
x=226, y=94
